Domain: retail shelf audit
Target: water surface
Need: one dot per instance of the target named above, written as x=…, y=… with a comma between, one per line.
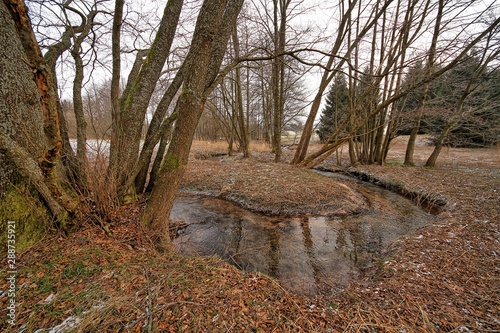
x=308, y=254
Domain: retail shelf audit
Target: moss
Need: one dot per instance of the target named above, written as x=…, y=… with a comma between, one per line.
x=171, y=162
x=70, y=191
x=79, y=269
x=129, y=196
x=27, y=212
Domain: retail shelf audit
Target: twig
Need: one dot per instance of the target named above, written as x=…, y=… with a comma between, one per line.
x=149, y=308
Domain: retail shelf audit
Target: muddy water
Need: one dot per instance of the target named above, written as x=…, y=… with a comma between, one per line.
x=307, y=255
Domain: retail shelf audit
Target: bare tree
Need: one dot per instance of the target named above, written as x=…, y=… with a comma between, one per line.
x=335, y=62
x=470, y=95
x=243, y=130
x=368, y=124
x=124, y=150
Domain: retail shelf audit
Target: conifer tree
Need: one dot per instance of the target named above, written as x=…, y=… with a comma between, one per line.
x=336, y=108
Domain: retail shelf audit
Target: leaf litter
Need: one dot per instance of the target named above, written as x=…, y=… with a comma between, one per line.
x=442, y=278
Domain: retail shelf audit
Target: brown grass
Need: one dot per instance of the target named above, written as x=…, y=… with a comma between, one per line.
x=271, y=188
x=441, y=278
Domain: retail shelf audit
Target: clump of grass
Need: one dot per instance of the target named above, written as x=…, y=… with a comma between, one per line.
x=102, y=190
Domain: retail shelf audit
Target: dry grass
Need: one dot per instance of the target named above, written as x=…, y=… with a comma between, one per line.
x=222, y=147
x=271, y=188
x=120, y=283
x=442, y=278
x=445, y=277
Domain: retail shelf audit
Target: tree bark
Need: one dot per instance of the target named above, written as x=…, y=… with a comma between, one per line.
x=155, y=133
x=431, y=161
x=133, y=106
x=115, y=85
x=81, y=124
x=206, y=45
x=30, y=134
x=155, y=168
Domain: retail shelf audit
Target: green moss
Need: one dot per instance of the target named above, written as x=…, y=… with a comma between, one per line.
x=171, y=162
x=70, y=191
x=129, y=196
x=30, y=217
x=46, y=284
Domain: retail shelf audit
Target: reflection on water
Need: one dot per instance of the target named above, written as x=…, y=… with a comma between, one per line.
x=306, y=254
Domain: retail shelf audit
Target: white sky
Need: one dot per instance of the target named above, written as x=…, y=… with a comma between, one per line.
x=319, y=17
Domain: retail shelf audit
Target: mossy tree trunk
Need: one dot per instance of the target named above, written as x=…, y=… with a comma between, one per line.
x=205, y=57
x=124, y=150
x=30, y=141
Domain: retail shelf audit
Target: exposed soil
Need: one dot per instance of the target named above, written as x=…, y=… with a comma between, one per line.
x=442, y=278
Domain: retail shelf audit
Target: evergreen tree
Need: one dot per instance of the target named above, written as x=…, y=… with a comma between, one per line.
x=469, y=104
x=336, y=108
x=434, y=100
x=478, y=123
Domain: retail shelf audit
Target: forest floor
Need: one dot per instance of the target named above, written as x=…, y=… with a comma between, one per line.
x=442, y=278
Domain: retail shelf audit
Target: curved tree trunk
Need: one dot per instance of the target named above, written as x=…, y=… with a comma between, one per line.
x=431, y=161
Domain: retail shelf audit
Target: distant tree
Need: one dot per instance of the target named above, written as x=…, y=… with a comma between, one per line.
x=336, y=108
x=468, y=114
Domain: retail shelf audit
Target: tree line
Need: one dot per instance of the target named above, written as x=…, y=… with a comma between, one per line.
x=462, y=110
x=240, y=64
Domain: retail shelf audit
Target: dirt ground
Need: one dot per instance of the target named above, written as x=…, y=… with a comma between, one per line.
x=442, y=278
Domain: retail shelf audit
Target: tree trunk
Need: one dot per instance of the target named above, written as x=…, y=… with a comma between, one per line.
x=30, y=137
x=281, y=7
x=115, y=83
x=165, y=139
x=81, y=124
x=133, y=106
x=244, y=140
x=410, y=148
x=210, y=38
x=431, y=161
x=155, y=132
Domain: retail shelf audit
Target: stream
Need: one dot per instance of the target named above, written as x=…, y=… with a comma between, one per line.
x=307, y=255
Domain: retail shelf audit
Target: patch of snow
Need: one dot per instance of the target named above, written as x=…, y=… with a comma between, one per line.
x=49, y=298
x=70, y=322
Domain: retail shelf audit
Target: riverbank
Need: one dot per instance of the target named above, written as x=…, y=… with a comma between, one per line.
x=442, y=278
